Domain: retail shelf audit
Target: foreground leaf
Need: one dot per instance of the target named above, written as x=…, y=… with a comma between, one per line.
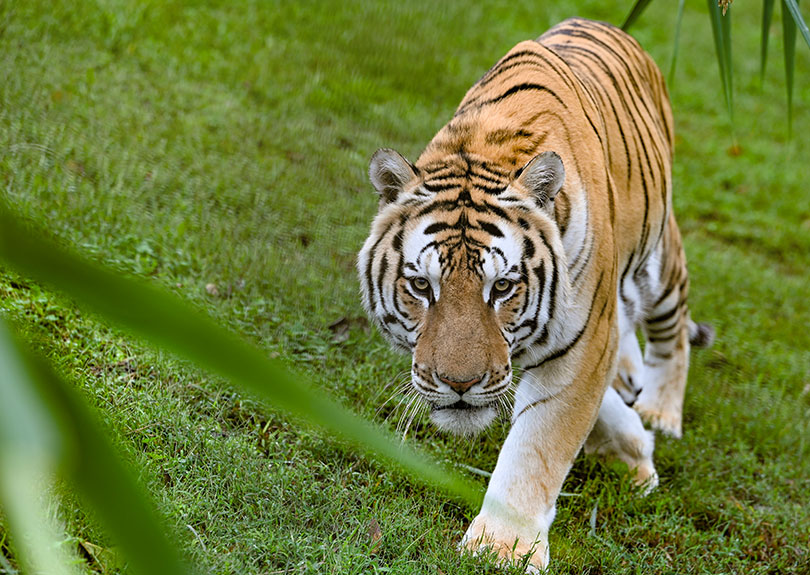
x=166, y=320
x=30, y=451
x=789, y=39
x=793, y=7
x=767, y=16
x=721, y=31
x=676, y=42
x=45, y=428
x=635, y=13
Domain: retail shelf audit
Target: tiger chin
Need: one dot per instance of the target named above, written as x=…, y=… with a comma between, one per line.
x=462, y=418
x=536, y=230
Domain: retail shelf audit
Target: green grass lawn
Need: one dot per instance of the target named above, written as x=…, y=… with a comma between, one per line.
x=220, y=149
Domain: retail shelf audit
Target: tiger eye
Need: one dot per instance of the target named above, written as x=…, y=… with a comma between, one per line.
x=502, y=286
x=420, y=284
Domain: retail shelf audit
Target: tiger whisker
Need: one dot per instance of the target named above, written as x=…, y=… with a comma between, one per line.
x=532, y=381
x=408, y=408
x=405, y=399
x=397, y=377
x=403, y=388
x=416, y=411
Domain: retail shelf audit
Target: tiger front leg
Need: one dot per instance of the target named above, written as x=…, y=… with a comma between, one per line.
x=520, y=501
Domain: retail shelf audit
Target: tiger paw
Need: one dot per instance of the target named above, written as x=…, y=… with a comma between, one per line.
x=665, y=420
x=486, y=535
x=646, y=478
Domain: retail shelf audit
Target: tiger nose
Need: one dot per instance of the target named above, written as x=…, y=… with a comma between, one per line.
x=460, y=386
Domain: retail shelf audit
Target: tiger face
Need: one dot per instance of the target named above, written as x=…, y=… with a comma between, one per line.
x=461, y=269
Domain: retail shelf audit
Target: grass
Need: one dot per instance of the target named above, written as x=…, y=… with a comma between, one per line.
x=220, y=149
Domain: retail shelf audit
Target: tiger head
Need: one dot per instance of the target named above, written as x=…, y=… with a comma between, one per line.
x=461, y=269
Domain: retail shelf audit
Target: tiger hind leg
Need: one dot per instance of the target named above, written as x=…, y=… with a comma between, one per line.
x=629, y=379
x=666, y=358
x=670, y=334
x=619, y=434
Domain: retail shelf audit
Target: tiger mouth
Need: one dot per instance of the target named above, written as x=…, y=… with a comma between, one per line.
x=463, y=418
x=460, y=404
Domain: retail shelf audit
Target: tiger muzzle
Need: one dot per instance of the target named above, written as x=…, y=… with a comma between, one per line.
x=460, y=386
x=461, y=343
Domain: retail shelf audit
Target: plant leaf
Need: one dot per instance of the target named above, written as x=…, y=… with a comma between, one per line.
x=676, y=42
x=793, y=6
x=638, y=9
x=50, y=408
x=721, y=30
x=30, y=451
x=767, y=15
x=789, y=39
x=166, y=320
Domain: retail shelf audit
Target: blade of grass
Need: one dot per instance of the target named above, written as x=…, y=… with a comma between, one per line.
x=767, y=15
x=61, y=434
x=721, y=30
x=789, y=39
x=676, y=42
x=635, y=13
x=793, y=6
x=167, y=321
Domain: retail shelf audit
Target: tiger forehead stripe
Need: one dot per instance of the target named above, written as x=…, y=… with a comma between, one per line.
x=462, y=225
x=465, y=165
x=461, y=201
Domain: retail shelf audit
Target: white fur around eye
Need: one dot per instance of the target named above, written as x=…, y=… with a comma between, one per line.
x=505, y=253
x=422, y=262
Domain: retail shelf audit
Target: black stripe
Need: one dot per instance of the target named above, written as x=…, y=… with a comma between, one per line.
x=437, y=227
x=560, y=352
x=528, y=248
x=528, y=407
x=524, y=87
x=450, y=205
x=664, y=316
x=664, y=329
x=370, y=286
x=661, y=339
x=491, y=229
x=504, y=135
x=435, y=186
x=507, y=63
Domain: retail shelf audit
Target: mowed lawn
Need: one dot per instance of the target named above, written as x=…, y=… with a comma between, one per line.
x=219, y=149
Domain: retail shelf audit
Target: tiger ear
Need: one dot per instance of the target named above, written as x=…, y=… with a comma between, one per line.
x=389, y=173
x=542, y=177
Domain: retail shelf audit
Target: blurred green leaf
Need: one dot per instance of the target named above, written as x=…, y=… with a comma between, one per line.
x=635, y=13
x=793, y=7
x=789, y=39
x=676, y=42
x=30, y=451
x=167, y=321
x=63, y=435
x=721, y=30
x=767, y=16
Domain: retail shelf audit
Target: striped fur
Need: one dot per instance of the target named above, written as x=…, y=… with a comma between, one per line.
x=537, y=228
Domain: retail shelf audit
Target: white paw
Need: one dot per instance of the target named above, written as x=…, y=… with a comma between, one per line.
x=628, y=385
x=667, y=421
x=486, y=535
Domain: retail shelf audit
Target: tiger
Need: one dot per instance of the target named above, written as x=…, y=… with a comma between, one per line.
x=535, y=232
